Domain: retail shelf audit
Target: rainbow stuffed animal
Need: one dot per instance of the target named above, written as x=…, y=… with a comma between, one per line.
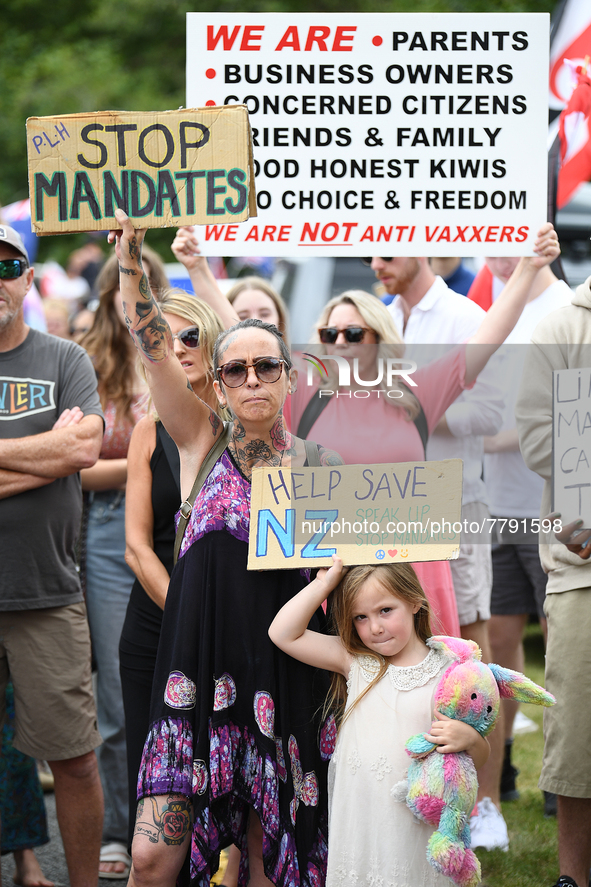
x=442, y=787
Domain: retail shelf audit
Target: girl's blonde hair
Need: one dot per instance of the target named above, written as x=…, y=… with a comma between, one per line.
x=399, y=580
x=107, y=341
x=390, y=344
x=259, y=283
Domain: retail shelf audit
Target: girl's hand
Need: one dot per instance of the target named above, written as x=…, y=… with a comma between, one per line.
x=128, y=241
x=451, y=736
x=185, y=247
x=329, y=577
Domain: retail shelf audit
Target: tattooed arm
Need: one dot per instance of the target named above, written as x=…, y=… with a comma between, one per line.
x=143, y=317
x=184, y=415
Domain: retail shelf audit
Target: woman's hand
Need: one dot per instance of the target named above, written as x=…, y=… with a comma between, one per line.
x=128, y=241
x=572, y=535
x=546, y=247
x=185, y=247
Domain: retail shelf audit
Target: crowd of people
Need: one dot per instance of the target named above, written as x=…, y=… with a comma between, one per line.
x=213, y=722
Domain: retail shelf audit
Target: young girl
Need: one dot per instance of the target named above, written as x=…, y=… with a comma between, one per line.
x=383, y=684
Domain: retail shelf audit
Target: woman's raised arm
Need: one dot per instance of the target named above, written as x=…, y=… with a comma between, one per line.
x=185, y=247
x=186, y=418
x=506, y=311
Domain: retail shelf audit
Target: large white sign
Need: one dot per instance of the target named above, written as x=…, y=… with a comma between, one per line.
x=401, y=134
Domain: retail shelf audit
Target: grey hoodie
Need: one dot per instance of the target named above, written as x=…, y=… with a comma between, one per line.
x=562, y=340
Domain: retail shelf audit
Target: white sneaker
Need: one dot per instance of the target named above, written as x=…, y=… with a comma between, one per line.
x=523, y=724
x=488, y=828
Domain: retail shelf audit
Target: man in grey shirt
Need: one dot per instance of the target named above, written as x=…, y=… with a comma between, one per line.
x=50, y=427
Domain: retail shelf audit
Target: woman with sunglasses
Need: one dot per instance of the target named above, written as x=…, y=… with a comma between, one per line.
x=376, y=428
x=357, y=326
x=108, y=578
x=234, y=747
x=153, y=497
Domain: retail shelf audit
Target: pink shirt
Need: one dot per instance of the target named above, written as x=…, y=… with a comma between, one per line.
x=367, y=430
x=118, y=431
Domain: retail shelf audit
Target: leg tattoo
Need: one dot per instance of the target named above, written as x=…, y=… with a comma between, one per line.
x=167, y=818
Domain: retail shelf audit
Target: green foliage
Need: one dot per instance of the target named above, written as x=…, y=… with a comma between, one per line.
x=89, y=55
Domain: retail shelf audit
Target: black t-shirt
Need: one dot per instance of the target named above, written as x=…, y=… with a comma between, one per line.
x=38, y=528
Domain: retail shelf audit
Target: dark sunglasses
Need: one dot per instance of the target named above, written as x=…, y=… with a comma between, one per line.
x=188, y=337
x=10, y=269
x=353, y=334
x=367, y=260
x=235, y=373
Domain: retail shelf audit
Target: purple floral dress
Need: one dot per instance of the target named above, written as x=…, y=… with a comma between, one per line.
x=235, y=722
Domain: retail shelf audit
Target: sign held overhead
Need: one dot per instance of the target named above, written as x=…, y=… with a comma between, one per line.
x=163, y=169
x=411, y=134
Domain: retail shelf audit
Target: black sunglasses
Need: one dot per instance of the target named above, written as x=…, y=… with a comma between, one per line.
x=235, y=373
x=367, y=260
x=10, y=269
x=188, y=337
x=353, y=334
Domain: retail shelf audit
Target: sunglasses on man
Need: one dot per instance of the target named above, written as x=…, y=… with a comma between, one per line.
x=368, y=259
x=10, y=269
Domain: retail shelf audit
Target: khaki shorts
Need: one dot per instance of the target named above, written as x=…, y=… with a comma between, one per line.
x=566, y=767
x=472, y=571
x=46, y=655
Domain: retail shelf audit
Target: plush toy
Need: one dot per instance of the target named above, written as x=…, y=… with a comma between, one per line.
x=442, y=787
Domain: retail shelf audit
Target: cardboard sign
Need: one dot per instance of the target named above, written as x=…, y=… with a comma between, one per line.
x=406, y=134
x=571, y=447
x=392, y=513
x=163, y=169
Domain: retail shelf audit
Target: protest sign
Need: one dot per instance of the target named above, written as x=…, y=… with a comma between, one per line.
x=411, y=134
x=571, y=452
x=163, y=169
x=391, y=513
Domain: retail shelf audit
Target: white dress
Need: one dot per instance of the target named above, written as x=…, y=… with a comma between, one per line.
x=373, y=839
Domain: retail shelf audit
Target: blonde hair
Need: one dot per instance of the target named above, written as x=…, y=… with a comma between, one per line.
x=246, y=284
x=399, y=580
x=198, y=313
x=390, y=343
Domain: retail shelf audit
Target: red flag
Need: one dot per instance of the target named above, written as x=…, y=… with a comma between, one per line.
x=574, y=130
x=571, y=39
x=481, y=290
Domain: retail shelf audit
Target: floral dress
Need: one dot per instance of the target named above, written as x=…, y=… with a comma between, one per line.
x=235, y=722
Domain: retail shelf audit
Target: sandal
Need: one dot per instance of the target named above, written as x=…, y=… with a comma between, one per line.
x=115, y=852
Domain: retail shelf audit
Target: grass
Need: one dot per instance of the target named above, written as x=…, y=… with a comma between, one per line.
x=532, y=860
